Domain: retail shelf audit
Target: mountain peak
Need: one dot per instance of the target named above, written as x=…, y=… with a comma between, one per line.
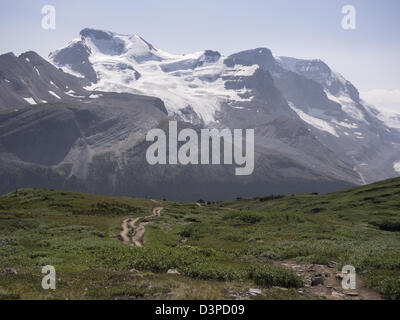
x=30, y=55
x=96, y=34
x=304, y=65
x=8, y=54
x=260, y=56
x=111, y=43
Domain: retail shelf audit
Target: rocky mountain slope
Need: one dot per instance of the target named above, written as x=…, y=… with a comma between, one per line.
x=81, y=123
x=208, y=88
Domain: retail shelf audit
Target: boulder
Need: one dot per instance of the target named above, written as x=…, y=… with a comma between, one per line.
x=9, y=271
x=173, y=271
x=317, y=280
x=255, y=292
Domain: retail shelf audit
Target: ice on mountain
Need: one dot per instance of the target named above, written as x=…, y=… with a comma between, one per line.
x=127, y=63
x=345, y=124
x=53, y=84
x=348, y=106
x=315, y=122
x=30, y=101
x=130, y=64
x=54, y=94
x=71, y=93
x=37, y=71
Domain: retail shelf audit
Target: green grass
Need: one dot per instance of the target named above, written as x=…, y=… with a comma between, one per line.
x=215, y=247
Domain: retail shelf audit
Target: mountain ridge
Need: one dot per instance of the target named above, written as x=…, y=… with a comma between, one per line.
x=200, y=90
x=306, y=138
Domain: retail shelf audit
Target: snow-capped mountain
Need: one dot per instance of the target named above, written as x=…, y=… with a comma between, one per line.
x=366, y=137
x=56, y=134
x=80, y=121
x=205, y=87
x=127, y=63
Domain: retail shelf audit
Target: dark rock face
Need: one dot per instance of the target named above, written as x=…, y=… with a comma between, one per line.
x=77, y=56
x=31, y=77
x=42, y=137
x=95, y=34
x=261, y=56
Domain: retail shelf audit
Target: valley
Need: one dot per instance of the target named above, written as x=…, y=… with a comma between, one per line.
x=269, y=247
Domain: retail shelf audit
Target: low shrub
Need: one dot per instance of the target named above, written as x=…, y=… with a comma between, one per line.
x=212, y=271
x=246, y=217
x=270, y=275
x=386, y=282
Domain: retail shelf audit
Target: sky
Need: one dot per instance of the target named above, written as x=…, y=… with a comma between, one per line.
x=367, y=56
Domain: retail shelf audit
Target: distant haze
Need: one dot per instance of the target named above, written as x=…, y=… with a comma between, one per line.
x=386, y=100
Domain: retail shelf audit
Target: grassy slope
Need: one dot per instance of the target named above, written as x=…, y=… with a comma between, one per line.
x=219, y=247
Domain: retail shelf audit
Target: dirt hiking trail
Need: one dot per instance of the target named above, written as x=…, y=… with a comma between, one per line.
x=132, y=234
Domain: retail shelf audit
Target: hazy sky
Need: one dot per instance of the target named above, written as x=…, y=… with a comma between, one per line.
x=367, y=56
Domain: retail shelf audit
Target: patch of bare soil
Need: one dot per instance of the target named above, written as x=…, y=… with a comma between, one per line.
x=325, y=281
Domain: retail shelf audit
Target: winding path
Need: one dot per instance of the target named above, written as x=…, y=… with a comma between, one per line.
x=138, y=230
